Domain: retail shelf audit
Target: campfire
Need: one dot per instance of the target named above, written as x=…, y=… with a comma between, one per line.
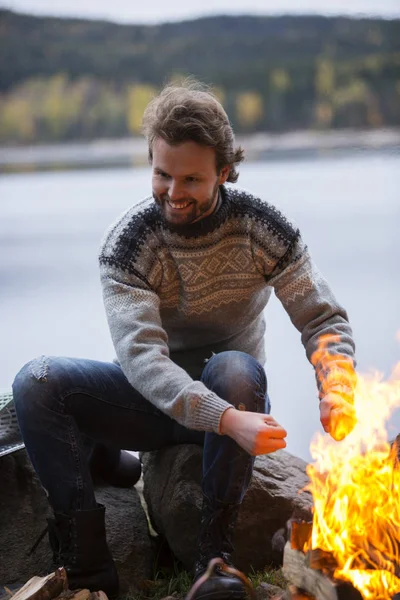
x=352, y=547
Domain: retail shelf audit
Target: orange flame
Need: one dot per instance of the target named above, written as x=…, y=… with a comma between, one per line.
x=356, y=484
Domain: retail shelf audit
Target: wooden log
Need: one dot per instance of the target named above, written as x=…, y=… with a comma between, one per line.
x=293, y=593
x=297, y=570
x=83, y=594
x=322, y=561
x=43, y=588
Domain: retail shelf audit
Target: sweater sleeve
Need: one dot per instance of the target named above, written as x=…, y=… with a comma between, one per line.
x=141, y=345
x=323, y=323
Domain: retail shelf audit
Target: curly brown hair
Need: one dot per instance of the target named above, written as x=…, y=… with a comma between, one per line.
x=191, y=112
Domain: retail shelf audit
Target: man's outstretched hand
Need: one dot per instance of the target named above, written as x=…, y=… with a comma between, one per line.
x=337, y=415
x=254, y=432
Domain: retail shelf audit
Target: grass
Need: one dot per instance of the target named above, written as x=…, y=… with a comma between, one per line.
x=174, y=580
x=269, y=575
x=177, y=582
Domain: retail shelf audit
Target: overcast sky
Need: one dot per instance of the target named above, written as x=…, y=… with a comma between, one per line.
x=137, y=11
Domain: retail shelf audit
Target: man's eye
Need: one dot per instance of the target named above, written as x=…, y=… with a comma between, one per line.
x=191, y=179
x=164, y=175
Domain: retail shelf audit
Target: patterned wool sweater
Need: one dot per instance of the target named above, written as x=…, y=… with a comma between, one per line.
x=173, y=296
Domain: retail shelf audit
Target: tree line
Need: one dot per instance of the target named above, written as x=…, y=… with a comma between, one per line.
x=65, y=79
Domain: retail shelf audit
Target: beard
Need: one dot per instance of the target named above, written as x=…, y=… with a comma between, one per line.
x=195, y=210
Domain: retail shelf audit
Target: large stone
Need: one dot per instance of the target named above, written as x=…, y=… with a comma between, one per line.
x=23, y=512
x=172, y=490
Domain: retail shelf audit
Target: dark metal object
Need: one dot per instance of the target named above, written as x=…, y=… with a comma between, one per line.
x=300, y=534
x=222, y=566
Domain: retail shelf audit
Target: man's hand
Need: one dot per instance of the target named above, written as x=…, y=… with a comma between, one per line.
x=254, y=432
x=337, y=415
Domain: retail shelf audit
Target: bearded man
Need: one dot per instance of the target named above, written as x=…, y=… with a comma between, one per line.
x=186, y=275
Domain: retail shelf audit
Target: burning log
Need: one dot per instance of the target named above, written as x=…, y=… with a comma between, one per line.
x=355, y=485
x=312, y=570
x=298, y=570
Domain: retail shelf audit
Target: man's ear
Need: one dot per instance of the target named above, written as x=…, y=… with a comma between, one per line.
x=224, y=174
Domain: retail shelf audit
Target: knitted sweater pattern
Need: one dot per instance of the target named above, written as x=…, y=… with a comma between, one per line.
x=173, y=296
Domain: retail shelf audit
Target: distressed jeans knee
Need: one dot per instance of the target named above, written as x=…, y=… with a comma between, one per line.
x=239, y=379
x=39, y=368
x=49, y=432
x=31, y=389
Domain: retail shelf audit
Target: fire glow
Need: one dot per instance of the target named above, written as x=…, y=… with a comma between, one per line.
x=356, y=487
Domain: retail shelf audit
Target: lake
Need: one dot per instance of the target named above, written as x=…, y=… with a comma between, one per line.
x=348, y=209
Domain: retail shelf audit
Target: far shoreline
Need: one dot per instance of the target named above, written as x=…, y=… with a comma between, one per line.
x=131, y=152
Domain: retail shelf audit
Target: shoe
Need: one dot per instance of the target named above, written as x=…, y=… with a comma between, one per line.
x=78, y=541
x=215, y=540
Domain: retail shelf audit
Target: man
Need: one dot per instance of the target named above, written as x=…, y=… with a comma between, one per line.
x=186, y=275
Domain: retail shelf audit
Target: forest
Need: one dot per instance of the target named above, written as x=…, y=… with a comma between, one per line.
x=74, y=79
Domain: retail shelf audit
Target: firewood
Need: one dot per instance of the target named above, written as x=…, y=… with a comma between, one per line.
x=297, y=570
x=81, y=595
x=294, y=594
x=43, y=588
x=98, y=595
x=66, y=595
x=321, y=560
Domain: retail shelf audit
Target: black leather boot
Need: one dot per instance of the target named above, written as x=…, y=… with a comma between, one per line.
x=78, y=541
x=218, y=522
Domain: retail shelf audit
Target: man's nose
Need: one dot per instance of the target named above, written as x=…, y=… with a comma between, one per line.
x=176, y=190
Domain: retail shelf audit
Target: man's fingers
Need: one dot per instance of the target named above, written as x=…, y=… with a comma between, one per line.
x=270, y=420
x=337, y=416
x=267, y=446
x=325, y=414
x=343, y=422
x=277, y=444
x=273, y=431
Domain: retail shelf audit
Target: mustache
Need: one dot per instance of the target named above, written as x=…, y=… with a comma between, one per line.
x=165, y=198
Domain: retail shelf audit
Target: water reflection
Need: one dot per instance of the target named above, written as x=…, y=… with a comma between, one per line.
x=348, y=209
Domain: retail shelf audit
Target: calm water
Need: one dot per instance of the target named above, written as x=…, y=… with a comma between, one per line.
x=347, y=208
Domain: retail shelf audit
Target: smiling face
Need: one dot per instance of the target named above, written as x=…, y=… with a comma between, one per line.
x=185, y=181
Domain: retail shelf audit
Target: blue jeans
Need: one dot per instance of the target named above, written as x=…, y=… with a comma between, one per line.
x=61, y=403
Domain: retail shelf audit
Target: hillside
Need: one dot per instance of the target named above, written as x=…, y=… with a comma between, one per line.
x=273, y=73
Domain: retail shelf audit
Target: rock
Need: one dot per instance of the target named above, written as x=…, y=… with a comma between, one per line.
x=23, y=512
x=265, y=591
x=172, y=489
